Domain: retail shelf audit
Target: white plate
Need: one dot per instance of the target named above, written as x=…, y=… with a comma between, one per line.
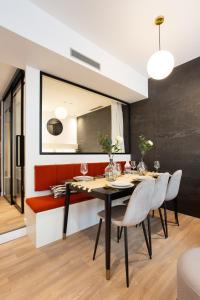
x=119, y=186
x=120, y=183
x=83, y=178
x=141, y=178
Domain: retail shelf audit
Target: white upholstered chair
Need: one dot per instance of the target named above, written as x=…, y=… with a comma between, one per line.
x=172, y=191
x=126, y=216
x=158, y=199
x=188, y=275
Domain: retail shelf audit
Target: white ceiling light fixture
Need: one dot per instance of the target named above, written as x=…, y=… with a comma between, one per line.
x=161, y=63
x=60, y=112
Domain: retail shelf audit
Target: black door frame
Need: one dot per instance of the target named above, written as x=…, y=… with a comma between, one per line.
x=17, y=79
x=10, y=200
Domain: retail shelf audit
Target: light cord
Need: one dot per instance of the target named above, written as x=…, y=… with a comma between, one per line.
x=159, y=36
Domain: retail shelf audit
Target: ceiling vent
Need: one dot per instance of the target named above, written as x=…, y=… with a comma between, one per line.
x=95, y=108
x=85, y=59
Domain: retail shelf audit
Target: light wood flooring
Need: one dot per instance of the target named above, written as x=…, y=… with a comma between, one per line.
x=10, y=217
x=65, y=270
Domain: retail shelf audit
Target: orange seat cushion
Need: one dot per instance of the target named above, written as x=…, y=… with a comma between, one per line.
x=43, y=203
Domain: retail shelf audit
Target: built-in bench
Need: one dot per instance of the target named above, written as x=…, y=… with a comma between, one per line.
x=44, y=214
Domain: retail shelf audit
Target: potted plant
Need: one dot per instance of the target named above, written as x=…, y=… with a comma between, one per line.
x=110, y=148
x=144, y=146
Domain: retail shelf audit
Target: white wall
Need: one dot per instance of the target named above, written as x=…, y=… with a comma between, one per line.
x=33, y=24
x=32, y=156
x=67, y=137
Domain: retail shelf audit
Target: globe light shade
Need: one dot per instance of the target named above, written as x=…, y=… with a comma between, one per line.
x=60, y=113
x=160, y=64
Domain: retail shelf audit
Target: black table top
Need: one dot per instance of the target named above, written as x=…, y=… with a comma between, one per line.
x=113, y=193
x=103, y=193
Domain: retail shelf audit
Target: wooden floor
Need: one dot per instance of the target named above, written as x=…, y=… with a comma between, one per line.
x=65, y=270
x=10, y=217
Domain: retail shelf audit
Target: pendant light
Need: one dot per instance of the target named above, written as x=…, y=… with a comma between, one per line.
x=60, y=113
x=161, y=63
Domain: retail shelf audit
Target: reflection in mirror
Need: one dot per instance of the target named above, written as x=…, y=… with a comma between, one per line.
x=54, y=126
x=85, y=115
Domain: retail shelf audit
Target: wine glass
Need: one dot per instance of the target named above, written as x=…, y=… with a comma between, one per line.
x=156, y=165
x=119, y=169
x=133, y=164
x=127, y=168
x=84, y=168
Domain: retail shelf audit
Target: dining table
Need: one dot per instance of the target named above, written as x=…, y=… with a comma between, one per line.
x=100, y=188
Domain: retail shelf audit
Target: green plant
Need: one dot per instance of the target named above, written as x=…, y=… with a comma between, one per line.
x=107, y=146
x=144, y=145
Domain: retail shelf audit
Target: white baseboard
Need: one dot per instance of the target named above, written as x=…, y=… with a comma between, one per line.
x=12, y=235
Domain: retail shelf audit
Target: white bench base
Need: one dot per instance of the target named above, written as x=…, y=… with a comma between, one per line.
x=46, y=227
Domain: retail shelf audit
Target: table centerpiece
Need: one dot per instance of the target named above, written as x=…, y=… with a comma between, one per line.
x=110, y=148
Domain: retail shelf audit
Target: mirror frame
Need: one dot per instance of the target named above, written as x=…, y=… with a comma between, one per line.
x=90, y=90
x=58, y=121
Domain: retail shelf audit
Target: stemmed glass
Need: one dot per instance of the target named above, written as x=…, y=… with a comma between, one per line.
x=119, y=169
x=84, y=168
x=133, y=164
x=156, y=165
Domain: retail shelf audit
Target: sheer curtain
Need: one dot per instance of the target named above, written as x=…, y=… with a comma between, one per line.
x=117, y=122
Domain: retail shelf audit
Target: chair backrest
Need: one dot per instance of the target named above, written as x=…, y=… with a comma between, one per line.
x=160, y=190
x=140, y=203
x=173, y=185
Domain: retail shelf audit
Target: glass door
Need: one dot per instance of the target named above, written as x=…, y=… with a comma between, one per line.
x=7, y=158
x=13, y=147
x=18, y=146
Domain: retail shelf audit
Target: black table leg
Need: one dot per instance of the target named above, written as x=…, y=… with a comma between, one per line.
x=107, y=235
x=67, y=201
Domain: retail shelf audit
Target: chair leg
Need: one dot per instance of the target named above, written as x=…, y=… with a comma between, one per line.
x=165, y=215
x=97, y=239
x=120, y=233
x=146, y=239
x=176, y=210
x=149, y=234
x=162, y=222
x=153, y=213
x=126, y=255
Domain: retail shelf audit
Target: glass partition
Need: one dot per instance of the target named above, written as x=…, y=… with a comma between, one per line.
x=18, y=147
x=13, y=143
x=7, y=149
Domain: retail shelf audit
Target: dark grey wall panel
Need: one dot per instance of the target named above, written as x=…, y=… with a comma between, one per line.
x=89, y=126
x=171, y=118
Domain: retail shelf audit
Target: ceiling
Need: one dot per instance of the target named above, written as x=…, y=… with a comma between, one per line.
x=75, y=100
x=126, y=30
x=28, y=53
x=6, y=74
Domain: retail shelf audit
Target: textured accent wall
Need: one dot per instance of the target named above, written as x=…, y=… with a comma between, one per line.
x=90, y=125
x=171, y=118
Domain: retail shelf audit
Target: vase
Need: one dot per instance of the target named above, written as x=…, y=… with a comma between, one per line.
x=111, y=170
x=142, y=167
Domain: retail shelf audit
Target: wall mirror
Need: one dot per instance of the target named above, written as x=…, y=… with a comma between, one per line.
x=54, y=126
x=72, y=118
